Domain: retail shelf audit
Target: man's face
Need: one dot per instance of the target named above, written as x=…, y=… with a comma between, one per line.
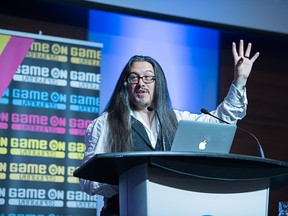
x=141, y=90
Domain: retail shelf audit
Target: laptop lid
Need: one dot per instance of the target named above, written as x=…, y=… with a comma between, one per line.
x=194, y=136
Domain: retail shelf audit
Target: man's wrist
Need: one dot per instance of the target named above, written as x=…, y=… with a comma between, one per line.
x=239, y=86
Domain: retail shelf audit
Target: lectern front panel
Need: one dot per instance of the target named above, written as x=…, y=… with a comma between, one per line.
x=150, y=191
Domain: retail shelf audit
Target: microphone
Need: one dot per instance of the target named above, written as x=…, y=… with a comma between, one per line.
x=204, y=111
x=149, y=108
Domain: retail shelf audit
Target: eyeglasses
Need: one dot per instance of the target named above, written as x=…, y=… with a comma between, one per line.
x=134, y=79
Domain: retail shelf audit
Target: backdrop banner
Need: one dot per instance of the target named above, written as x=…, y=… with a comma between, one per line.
x=50, y=93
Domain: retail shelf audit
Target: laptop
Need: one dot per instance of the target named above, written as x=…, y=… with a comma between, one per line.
x=206, y=137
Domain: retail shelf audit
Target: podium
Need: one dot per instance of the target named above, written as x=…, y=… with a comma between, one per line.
x=180, y=183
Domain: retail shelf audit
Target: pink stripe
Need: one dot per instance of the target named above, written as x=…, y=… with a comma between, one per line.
x=11, y=57
x=41, y=129
x=79, y=132
x=3, y=125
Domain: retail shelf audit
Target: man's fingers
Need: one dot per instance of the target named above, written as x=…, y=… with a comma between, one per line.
x=255, y=57
x=234, y=50
x=241, y=48
x=248, y=50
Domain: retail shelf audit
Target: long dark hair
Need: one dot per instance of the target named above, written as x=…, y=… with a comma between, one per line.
x=119, y=106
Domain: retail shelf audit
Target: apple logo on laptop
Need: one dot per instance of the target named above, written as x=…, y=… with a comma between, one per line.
x=202, y=145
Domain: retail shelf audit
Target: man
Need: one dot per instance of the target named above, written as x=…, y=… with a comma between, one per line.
x=127, y=125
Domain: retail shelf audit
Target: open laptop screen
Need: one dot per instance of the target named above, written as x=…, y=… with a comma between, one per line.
x=194, y=136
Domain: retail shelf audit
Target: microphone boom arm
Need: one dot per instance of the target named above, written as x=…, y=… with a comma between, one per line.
x=204, y=111
x=149, y=108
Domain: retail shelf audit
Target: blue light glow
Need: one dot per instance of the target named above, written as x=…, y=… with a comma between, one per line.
x=187, y=54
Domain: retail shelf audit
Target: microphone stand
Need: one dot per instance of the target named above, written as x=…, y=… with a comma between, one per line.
x=160, y=124
x=204, y=111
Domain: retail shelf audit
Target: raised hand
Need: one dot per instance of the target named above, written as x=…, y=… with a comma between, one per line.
x=242, y=62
